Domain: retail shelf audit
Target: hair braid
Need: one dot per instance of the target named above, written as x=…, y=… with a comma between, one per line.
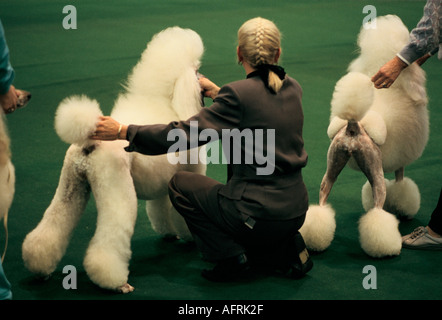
x=259, y=41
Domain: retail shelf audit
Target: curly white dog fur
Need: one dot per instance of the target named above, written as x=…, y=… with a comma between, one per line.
x=374, y=131
x=162, y=87
x=7, y=172
x=7, y=169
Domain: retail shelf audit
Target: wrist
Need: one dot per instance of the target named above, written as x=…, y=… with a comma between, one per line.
x=215, y=92
x=122, y=132
x=400, y=62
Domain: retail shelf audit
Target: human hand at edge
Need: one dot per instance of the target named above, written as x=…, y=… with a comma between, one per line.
x=8, y=101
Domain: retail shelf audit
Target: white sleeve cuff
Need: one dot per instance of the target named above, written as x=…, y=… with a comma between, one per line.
x=403, y=59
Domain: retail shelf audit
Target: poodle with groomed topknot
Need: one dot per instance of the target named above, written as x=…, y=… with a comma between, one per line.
x=162, y=87
x=375, y=131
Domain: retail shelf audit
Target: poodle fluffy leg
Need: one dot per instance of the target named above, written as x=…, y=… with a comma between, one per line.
x=319, y=226
x=180, y=225
x=158, y=212
x=107, y=258
x=165, y=220
x=44, y=247
x=403, y=196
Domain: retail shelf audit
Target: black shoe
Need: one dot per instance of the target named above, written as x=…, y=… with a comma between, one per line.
x=297, y=260
x=230, y=269
x=300, y=268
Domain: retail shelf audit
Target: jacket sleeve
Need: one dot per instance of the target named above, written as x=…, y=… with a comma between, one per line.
x=426, y=36
x=6, y=71
x=224, y=113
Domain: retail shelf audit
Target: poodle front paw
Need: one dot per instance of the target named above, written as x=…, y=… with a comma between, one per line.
x=125, y=288
x=403, y=198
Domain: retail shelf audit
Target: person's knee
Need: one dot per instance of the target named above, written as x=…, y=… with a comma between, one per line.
x=178, y=180
x=178, y=184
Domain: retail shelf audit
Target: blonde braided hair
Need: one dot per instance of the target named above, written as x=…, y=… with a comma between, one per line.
x=259, y=41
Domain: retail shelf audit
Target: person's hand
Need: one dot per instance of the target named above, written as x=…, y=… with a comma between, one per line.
x=8, y=101
x=109, y=129
x=208, y=88
x=388, y=73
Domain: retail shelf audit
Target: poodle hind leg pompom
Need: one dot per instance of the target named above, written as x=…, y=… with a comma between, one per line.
x=379, y=234
x=44, y=246
x=319, y=227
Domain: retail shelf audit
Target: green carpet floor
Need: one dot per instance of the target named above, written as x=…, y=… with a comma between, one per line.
x=319, y=40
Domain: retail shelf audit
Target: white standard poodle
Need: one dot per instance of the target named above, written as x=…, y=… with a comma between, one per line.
x=374, y=131
x=7, y=169
x=162, y=87
x=7, y=177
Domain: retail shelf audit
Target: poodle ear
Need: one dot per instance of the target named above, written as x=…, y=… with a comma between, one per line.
x=186, y=99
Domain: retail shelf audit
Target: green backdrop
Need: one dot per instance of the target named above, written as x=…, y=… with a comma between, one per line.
x=319, y=40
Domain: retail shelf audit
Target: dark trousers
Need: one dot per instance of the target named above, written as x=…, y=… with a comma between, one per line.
x=436, y=217
x=218, y=228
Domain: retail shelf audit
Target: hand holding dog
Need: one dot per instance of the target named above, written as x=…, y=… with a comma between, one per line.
x=388, y=73
x=109, y=129
x=208, y=88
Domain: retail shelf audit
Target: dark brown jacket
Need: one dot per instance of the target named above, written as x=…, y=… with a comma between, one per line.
x=249, y=106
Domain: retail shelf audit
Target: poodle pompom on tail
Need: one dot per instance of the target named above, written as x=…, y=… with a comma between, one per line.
x=76, y=119
x=352, y=97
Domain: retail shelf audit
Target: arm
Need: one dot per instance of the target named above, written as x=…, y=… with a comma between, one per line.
x=423, y=39
x=224, y=113
x=8, y=96
x=424, y=58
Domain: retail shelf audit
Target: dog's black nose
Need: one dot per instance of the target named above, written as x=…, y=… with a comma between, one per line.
x=29, y=96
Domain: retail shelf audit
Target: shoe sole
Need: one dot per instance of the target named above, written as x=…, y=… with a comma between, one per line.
x=423, y=247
